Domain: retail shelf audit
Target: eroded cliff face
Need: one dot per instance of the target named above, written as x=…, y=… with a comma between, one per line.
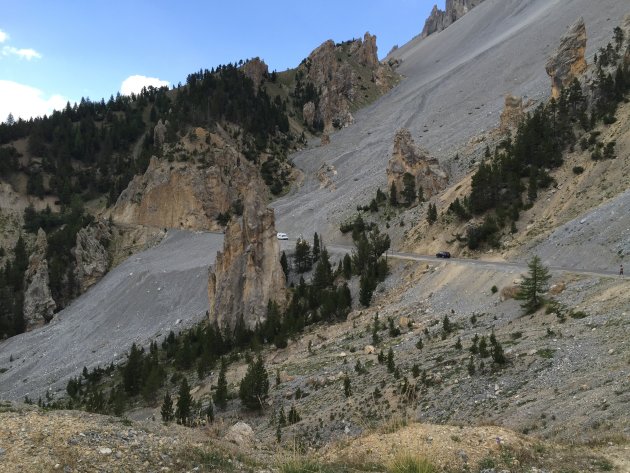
x=247, y=273
x=568, y=61
x=407, y=158
x=39, y=305
x=439, y=19
x=206, y=177
x=91, y=256
x=347, y=75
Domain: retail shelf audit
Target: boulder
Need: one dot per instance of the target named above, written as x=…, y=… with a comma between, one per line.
x=39, y=306
x=568, y=61
x=241, y=434
x=407, y=158
x=247, y=274
x=90, y=253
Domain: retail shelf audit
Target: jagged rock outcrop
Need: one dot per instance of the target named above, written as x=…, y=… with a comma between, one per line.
x=409, y=158
x=159, y=133
x=512, y=113
x=191, y=192
x=39, y=305
x=256, y=70
x=247, y=273
x=343, y=84
x=439, y=19
x=91, y=257
x=568, y=61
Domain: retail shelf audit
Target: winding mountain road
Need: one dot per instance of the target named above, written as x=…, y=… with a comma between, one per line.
x=343, y=249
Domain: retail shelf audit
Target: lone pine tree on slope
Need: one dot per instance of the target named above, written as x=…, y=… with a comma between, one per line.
x=533, y=286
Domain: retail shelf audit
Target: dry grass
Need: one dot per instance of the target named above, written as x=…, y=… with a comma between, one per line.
x=410, y=463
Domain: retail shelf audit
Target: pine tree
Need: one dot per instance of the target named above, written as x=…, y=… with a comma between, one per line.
x=432, y=214
x=167, y=408
x=221, y=394
x=347, y=387
x=285, y=265
x=210, y=412
x=366, y=289
x=409, y=188
x=302, y=256
x=254, y=387
x=483, y=348
x=347, y=266
x=323, y=275
x=294, y=416
x=184, y=403
x=471, y=366
x=391, y=366
x=533, y=286
x=132, y=372
x=376, y=339
x=316, y=247
x=393, y=198
x=282, y=418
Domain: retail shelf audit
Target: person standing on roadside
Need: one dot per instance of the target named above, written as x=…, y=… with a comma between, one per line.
x=621, y=270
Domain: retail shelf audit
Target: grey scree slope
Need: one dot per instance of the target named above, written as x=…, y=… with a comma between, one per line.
x=142, y=298
x=454, y=85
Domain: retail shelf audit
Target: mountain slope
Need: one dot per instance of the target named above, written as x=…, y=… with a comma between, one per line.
x=454, y=88
x=151, y=293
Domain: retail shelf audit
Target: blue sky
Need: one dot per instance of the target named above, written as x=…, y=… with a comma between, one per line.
x=51, y=52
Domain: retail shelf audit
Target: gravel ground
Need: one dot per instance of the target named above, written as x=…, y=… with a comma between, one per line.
x=161, y=289
x=598, y=240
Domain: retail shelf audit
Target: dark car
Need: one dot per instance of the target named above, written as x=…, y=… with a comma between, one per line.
x=443, y=254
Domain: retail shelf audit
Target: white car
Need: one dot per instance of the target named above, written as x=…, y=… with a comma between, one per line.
x=282, y=236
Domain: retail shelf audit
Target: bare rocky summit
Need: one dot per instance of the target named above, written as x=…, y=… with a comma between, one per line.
x=407, y=158
x=439, y=19
x=247, y=273
x=39, y=305
x=256, y=70
x=343, y=73
x=568, y=61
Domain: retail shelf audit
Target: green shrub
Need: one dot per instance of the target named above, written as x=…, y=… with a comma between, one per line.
x=410, y=463
x=577, y=170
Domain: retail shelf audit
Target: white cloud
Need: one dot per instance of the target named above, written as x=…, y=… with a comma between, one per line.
x=3, y=36
x=134, y=84
x=22, y=53
x=25, y=101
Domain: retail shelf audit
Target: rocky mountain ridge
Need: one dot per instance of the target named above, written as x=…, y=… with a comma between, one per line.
x=439, y=20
